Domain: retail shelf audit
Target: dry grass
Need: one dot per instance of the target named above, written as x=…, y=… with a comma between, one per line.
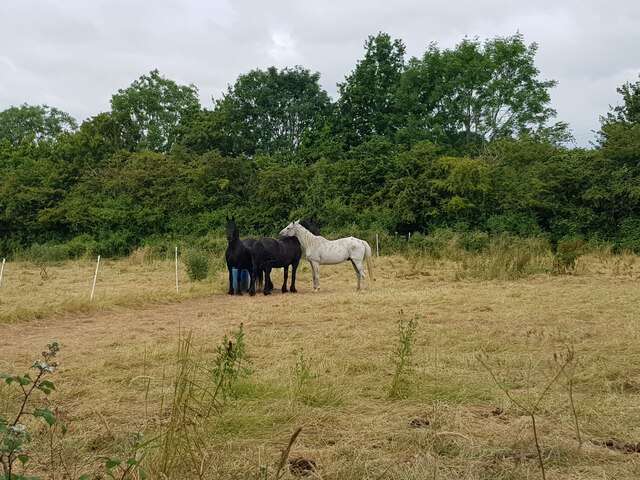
x=451, y=422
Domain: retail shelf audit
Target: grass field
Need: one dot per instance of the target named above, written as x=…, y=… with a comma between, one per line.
x=486, y=357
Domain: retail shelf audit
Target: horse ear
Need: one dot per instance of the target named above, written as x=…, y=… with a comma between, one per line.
x=233, y=217
x=298, y=221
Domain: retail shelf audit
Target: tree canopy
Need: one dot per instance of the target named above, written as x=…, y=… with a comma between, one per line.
x=457, y=138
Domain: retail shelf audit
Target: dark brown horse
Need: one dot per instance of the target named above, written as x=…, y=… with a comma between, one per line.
x=268, y=253
x=238, y=255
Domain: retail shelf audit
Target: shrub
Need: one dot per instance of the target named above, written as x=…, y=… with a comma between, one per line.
x=197, y=264
x=630, y=234
x=474, y=241
x=566, y=255
x=46, y=253
x=82, y=245
x=520, y=224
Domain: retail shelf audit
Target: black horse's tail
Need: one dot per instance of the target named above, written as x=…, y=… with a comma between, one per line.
x=259, y=276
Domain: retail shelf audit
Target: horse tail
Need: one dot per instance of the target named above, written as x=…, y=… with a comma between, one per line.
x=367, y=254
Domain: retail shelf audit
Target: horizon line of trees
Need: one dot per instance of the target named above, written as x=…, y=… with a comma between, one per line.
x=457, y=138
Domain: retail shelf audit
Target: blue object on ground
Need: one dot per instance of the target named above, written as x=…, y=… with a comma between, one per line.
x=244, y=279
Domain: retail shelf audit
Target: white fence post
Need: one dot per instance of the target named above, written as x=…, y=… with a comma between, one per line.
x=2, y=270
x=377, y=246
x=95, y=277
x=177, y=269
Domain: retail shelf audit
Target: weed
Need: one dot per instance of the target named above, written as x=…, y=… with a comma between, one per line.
x=14, y=435
x=263, y=472
x=567, y=362
x=530, y=407
x=132, y=467
x=568, y=251
x=302, y=371
x=402, y=353
x=230, y=363
x=199, y=392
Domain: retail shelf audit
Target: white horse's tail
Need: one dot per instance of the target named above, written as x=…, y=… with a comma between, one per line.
x=367, y=254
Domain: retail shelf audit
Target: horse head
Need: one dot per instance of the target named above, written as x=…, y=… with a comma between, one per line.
x=232, y=229
x=290, y=230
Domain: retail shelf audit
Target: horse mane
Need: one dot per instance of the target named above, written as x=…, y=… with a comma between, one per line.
x=312, y=225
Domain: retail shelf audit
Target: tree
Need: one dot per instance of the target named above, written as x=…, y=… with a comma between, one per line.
x=34, y=123
x=620, y=130
x=269, y=112
x=150, y=111
x=477, y=92
x=629, y=112
x=368, y=104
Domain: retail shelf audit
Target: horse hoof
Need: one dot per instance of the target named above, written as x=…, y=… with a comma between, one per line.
x=284, y=290
x=293, y=290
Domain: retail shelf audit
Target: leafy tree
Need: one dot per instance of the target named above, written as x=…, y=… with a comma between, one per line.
x=629, y=112
x=209, y=131
x=149, y=112
x=477, y=92
x=34, y=123
x=620, y=130
x=368, y=103
x=269, y=112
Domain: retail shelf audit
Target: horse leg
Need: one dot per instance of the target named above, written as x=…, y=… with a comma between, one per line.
x=360, y=273
x=294, y=267
x=268, y=286
x=286, y=275
x=252, y=282
x=357, y=272
x=315, y=266
x=230, y=292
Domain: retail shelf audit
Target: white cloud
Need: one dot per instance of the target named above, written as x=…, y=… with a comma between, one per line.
x=75, y=54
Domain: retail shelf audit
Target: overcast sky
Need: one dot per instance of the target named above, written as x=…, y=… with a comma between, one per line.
x=75, y=54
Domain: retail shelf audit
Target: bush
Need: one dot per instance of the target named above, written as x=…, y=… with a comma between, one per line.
x=46, y=253
x=82, y=245
x=521, y=224
x=441, y=243
x=116, y=244
x=197, y=264
x=568, y=251
x=474, y=241
x=630, y=234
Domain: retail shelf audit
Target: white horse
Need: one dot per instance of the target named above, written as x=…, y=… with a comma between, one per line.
x=320, y=251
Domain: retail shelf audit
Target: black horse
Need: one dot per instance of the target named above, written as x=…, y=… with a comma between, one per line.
x=238, y=255
x=268, y=253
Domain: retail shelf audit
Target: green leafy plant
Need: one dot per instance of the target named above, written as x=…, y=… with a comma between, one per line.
x=302, y=372
x=197, y=264
x=200, y=391
x=231, y=363
x=14, y=434
x=402, y=353
x=117, y=468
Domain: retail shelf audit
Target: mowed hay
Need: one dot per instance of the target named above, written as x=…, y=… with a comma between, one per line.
x=324, y=362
